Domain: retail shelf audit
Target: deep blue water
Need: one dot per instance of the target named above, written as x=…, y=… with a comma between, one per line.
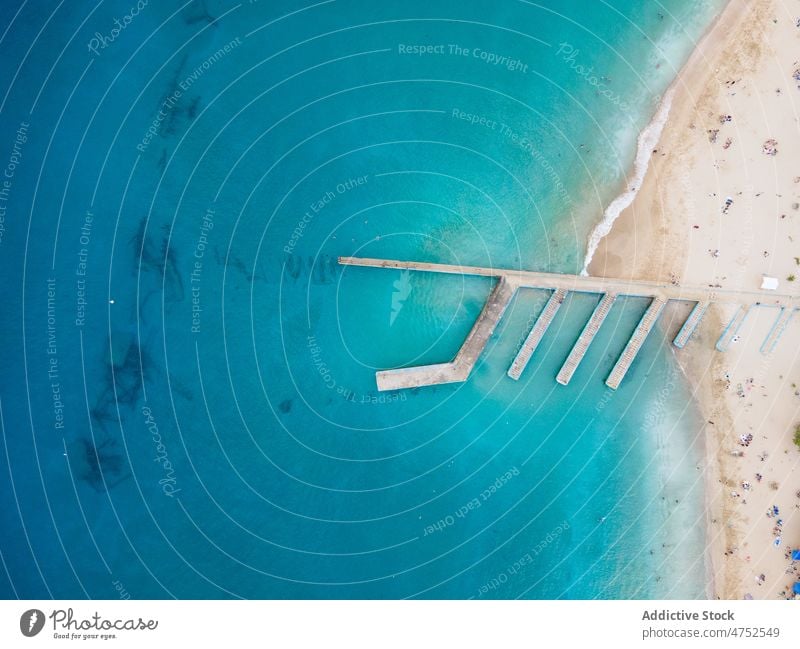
x=188, y=398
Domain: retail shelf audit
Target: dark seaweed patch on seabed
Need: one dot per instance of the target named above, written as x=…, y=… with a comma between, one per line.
x=173, y=112
x=180, y=112
x=322, y=270
x=193, y=108
x=100, y=463
x=180, y=388
x=294, y=266
x=161, y=259
x=237, y=264
x=141, y=248
x=198, y=12
x=122, y=385
x=173, y=282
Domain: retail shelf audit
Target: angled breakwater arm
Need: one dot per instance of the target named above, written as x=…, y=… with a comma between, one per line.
x=460, y=368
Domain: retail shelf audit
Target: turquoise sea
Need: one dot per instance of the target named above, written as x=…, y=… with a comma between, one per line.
x=187, y=398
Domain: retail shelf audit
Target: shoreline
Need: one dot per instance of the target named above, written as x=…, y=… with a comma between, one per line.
x=645, y=142
x=649, y=137
x=675, y=230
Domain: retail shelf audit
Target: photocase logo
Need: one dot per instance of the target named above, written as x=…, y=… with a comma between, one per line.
x=402, y=289
x=31, y=622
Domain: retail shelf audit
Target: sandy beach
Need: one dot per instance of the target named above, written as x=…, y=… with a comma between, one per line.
x=720, y=205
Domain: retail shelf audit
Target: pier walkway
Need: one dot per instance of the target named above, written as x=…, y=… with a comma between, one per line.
x=635, y=343
x=508, y=281
x=733, y=328
x=691, y=324
x=587, y=284
x=537, y=332
x=777, y=330
x=585, y=339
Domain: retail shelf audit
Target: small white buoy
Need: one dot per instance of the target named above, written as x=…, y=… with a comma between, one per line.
x=111, y=301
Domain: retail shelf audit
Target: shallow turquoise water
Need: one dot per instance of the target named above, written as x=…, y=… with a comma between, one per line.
x=222, y=435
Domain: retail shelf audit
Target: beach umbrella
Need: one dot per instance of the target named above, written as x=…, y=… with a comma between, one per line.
x=796, y=588
x=795, y=555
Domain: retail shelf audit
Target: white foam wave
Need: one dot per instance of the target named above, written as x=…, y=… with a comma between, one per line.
x=647, y=141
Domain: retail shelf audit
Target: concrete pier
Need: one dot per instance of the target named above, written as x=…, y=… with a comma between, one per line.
x=536, y=333
x=690, y=324
x=510, y=280
x=635, y=343
x=459, y=369
x=485, y=324
x=414, y=377
x=733, y=328
x=585, y=339
x=778, y=327
x=587, y=284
